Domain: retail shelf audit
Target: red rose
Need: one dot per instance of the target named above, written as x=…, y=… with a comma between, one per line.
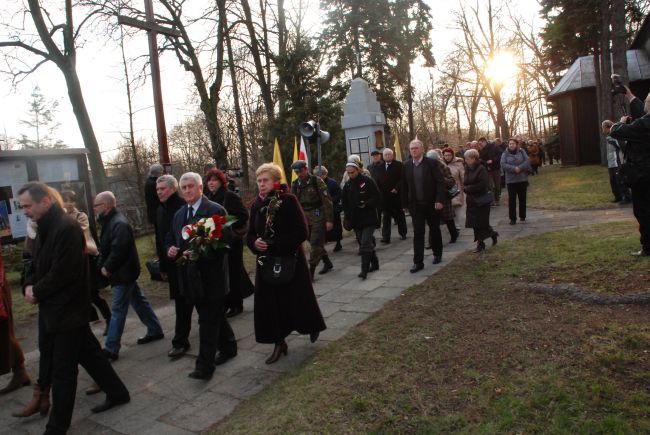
x=277, y=186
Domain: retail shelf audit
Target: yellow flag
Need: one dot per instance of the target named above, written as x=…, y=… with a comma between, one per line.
x=295, y=157
x=398, y=150
x=277, y=159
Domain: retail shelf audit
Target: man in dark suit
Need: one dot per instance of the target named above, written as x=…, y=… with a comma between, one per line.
x=423, y=194
x=170, y=203
x=203, y=282
x=57, y=281
x=389, y=185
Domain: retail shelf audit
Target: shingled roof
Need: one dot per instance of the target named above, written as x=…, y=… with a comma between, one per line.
x=581, y=74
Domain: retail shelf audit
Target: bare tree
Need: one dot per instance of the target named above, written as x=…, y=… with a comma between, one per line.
x=43, y=47
x=482, y=42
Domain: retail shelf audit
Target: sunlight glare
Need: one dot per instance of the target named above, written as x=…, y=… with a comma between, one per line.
x=500, y=68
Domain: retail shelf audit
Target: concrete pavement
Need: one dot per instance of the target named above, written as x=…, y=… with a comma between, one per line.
x=165, y=401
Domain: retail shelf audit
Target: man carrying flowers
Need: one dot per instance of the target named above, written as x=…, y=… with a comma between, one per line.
x=198, y=243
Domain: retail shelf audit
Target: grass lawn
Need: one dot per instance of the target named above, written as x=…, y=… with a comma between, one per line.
x=570, y=188
x=467, y=352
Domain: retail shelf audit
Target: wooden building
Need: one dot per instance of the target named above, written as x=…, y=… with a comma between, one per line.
x=576, y=103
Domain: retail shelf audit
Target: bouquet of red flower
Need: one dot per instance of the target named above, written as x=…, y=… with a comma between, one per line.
x=206, y=235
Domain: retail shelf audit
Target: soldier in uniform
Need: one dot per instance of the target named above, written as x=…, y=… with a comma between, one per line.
x=312, y=193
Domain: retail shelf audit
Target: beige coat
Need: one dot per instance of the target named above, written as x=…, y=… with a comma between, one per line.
x=457, y=169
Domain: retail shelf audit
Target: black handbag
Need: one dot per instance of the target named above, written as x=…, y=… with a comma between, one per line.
x=277, y=270
x=453, y=191
x=484, y=199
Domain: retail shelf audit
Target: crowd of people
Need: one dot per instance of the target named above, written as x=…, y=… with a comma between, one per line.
x=66, y=263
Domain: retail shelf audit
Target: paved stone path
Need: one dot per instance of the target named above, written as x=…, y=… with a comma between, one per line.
x=165, y=401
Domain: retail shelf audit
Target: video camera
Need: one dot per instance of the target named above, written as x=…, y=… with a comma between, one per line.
x=618, y=87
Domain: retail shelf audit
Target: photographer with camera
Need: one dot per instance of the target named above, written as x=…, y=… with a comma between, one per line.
x=635, y=172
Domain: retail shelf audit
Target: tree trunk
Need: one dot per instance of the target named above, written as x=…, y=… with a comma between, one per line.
x=282, y=52
x=238, y=114
x=619, y=55
x=459, y=133
x=265, y=88
x=409, y=100
x=85, y=127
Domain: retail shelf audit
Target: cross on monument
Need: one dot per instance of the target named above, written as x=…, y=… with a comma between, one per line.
x=153, y=29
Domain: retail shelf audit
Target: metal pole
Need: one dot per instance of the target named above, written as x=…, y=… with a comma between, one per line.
x=318, y=145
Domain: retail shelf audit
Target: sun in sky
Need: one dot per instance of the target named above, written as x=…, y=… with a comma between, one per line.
x=500, y=68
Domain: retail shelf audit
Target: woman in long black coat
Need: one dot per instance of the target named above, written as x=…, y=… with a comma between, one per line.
x=216, y=189
x=478, y=216
x=278, y=228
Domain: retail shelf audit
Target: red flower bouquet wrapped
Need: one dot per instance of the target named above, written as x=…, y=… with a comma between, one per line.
x=206, y=236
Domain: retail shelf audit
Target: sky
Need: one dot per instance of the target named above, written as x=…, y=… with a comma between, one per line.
x=100, y=70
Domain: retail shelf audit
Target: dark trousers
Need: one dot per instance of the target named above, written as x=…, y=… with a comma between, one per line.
x=392, y=210
x=183, y=324
x=620, y=191
x=517, y=191
x=101, y=304
x=215, y=333
x=641, y=208
x=495, y=183
x=68, y=349
x=421, y=214
x=365, y=239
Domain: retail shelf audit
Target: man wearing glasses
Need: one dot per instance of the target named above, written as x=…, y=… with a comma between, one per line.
x=119, y=265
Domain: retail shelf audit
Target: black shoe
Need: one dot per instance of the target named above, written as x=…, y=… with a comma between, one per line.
x=338, y=247
x=326, y=268
x=363, y=274
x=417, y=267
x=641, y=253
x=403, y=237
x=522, y=219
x=232, y=312
x=178, y=352
x=109, y=403
x=494, y=238
x=149, y=338
x=223, y=357
x=110, y=355
x=437, y=259
x=314, y=336
x=200, y=374
x=480, y=247
x=454, y=237
x=512, y=221
x=385, y=241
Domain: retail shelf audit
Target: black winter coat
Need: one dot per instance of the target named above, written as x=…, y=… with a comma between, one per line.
x=164, y=218
x=151, y=199
x=476, y=183
x=241, y=285
x=117, y=251
x=291, y=307
x=434, y=184
x=637, y=137
x=361, y=191
x=59, y=272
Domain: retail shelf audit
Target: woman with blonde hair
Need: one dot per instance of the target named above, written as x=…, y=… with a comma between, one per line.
x=284, y=296
x=479, y=200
